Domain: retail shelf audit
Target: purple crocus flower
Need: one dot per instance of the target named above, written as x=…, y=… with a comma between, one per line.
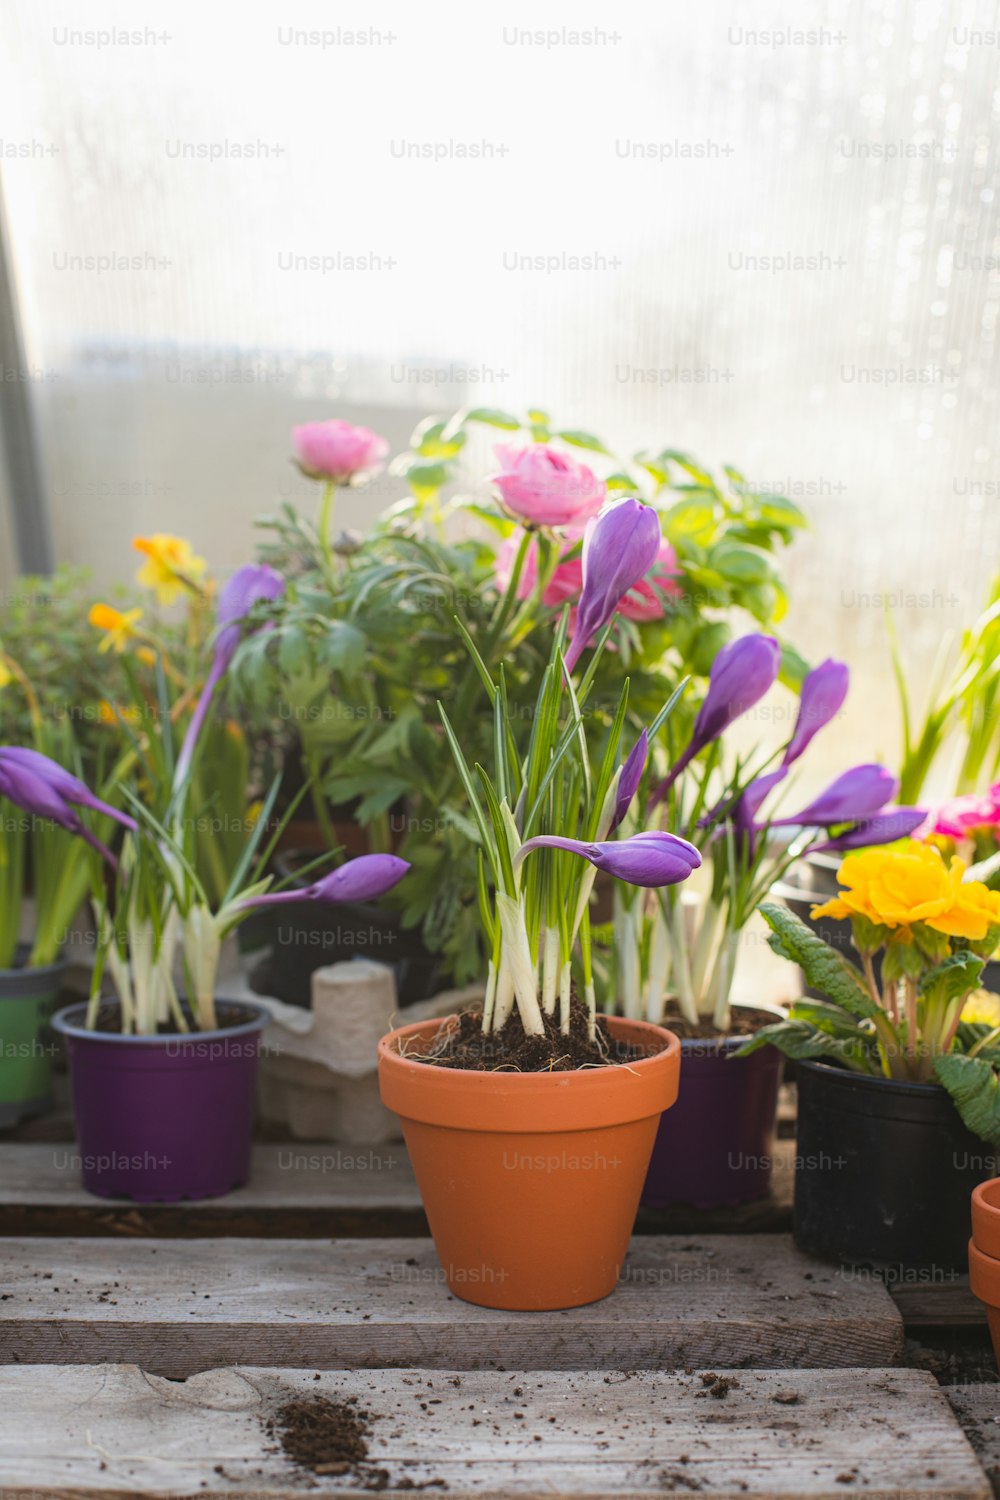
x=887, y=826
x=649, y=859
x=247, y=585
x=361, y=879
x=741, y=674
x=620, y=545
x=628, y=783
x=823, y=694
x=855, y=796
x=47, y=790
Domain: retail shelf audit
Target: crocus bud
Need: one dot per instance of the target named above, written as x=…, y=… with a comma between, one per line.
x=619, y=547
x=648, y=859
x=338, y=450
x=887, y=826
x=741, y=674
x=542, y=487
x=823, y=694
x=856, y=795
x=45, y=789
x=361, y=879
x=631, y=775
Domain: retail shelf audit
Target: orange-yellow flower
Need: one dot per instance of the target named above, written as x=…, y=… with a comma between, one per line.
x=171, y=565
x=900, y=886
x=119, y=626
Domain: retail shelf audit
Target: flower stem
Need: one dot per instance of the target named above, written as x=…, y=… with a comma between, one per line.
x=323, y=526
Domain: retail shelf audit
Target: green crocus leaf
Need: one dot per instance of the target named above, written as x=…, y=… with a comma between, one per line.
x=975, y=1088
x=825, y=970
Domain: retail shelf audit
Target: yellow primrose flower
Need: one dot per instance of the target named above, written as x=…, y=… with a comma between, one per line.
x=899, y=886
x=110, y=713
x=171, y=565
x=119, y=626
x=982, y=1007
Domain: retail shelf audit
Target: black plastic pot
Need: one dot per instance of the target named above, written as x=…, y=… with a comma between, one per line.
x=884, y=1172
x=309, y=936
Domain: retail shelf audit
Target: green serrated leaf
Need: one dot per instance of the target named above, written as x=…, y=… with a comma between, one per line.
x=825, y=970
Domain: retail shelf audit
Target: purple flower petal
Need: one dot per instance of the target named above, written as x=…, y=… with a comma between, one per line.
x=823, y=694
x=631, y=776
x=741, y=674
x=361, y=879
x=648, y=859
x=69, y=787
x=620, y=545
x=855, y=796
x=887, y=826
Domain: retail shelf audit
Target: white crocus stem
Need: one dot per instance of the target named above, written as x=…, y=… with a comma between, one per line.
x=705, y=947
x=503, y=1003
x=722, y=981
x=583, y=900
x=658, y=969
x=517, y=957
x=591, y=1000
x=202, y=946
x=628, y=931
x=491, y=990
x=682, y=967
x=550, y=969
x=565, y=984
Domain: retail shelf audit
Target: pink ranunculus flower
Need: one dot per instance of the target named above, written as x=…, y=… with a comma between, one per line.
x=540, y=487
x=338, y=450
x=564, y=585
x=644, y=601
x=959, y=817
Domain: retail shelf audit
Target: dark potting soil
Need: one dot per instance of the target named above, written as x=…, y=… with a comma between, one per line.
x=463, y=1045
x=328, y=1437
x=745, y=1021
x=230, y=1015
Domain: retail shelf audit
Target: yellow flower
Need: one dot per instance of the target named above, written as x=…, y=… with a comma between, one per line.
x=982, y=1007
x=110, y=713
x=171, y=565
x=6, y=675
x=120, y=627
x=899, y=886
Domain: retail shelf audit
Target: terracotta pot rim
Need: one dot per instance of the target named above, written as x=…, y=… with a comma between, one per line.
x=527, y=1102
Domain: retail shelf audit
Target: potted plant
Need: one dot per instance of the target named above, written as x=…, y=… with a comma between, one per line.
x=984, y=1254
x=676, y=952
x=529, y=1124
x=363, y=643
x=898, y=1094
x=163, y=1080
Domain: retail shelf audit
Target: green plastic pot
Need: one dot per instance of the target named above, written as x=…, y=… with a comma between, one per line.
x=27, y=999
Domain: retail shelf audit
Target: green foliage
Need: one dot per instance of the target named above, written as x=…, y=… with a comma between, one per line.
x=827, y=971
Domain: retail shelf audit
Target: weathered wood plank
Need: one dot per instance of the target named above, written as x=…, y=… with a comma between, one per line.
x=943, y=1302
x=300, y=1190
x=977, y=1408
x=109, y=1430
x=179, y=1306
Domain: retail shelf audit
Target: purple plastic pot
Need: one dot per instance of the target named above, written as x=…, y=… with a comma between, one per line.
x=164, y=1117
x=713, y=1149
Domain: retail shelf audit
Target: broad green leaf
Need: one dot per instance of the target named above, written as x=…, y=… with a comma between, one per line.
x=342, y=648
x=740, y=564
x=491, y=417
x=825, y=970
x=975, y=1088
x=582, y=440
x=799, y=1040
x=951, y=980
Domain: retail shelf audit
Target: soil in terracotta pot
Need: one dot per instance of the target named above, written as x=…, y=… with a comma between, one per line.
x=109, y=1020
x=746, y=1020
x=512, y=1050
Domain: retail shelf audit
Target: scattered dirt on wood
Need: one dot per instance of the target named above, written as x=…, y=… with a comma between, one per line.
x=462, y=1044
x=327, y=1437
x=745, y=1021
x=718, y=1386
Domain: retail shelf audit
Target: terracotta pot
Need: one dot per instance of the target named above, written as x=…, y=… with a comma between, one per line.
x=531, y=1181
x=984, y=1279
x=986, y=1217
